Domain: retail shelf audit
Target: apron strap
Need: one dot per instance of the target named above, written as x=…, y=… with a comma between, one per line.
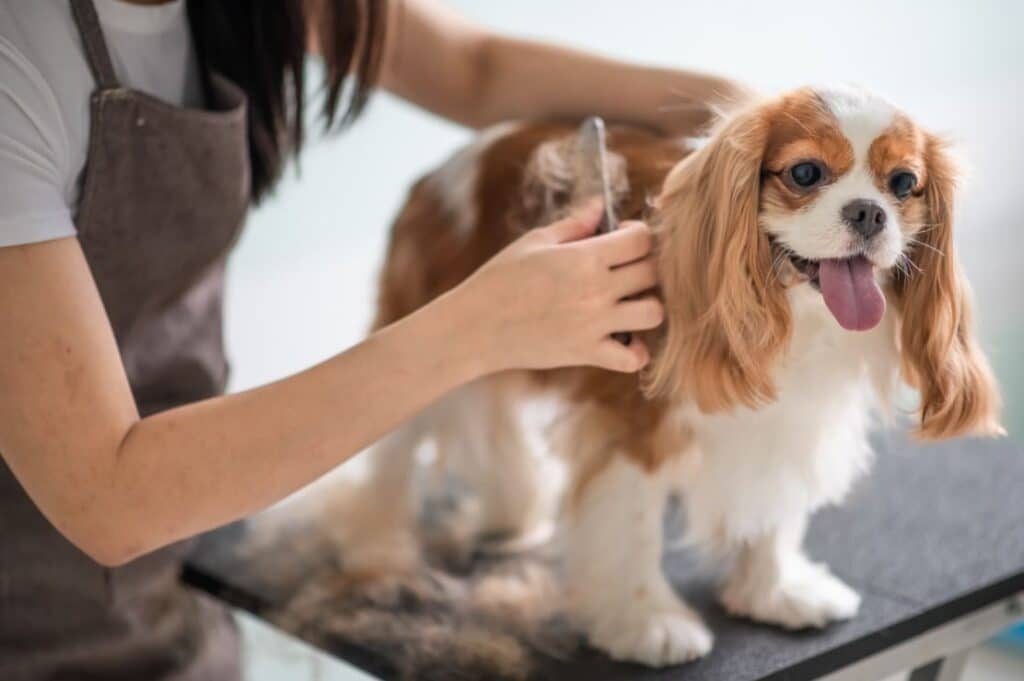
x=95, y=44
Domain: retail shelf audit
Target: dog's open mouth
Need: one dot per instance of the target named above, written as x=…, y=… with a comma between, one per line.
x=808, y=268
x=849, y=288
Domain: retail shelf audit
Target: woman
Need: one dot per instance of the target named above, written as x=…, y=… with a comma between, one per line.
x=132, y=140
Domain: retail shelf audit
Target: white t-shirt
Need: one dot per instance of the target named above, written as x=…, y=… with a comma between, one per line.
x=45, y=85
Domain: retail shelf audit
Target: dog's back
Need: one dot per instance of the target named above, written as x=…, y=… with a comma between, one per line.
x=511, y=178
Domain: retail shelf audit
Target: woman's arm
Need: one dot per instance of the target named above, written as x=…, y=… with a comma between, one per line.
x=119, y=486
x=459, y=70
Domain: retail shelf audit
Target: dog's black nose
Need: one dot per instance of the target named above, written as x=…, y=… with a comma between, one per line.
x=866, y=217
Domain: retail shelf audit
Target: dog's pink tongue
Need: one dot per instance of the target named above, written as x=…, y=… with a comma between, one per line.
x=851, y=292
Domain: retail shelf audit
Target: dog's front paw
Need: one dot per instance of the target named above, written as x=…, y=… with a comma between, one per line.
x=813, y=599
x=653, y=637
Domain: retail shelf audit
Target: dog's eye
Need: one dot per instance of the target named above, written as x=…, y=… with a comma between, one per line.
x=806, y=174
x=902, y=183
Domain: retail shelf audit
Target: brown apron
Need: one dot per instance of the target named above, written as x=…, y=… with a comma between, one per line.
x=165, y=194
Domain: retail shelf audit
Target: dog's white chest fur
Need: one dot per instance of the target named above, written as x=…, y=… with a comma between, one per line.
x=802, y=451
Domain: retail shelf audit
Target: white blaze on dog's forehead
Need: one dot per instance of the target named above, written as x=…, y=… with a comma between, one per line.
x=863, y=116
x=455, y=182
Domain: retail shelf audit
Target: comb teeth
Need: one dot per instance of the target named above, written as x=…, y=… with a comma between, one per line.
x=590, y=169
x=587, y=160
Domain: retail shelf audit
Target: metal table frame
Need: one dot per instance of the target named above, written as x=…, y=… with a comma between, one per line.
x=939, y=654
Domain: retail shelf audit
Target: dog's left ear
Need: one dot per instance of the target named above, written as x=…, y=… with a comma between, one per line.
x=727, y=314
x=940, y=355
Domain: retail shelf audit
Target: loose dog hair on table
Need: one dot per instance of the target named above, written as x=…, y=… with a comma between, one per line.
x=806, y=261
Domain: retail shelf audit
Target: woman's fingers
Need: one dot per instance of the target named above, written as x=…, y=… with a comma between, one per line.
x=634, y=278
x=579, y=225
x=631, y=241
x=562, y=293
x=613, y=355
x=636, y=315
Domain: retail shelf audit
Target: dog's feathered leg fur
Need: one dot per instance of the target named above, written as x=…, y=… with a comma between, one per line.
x=618, y=593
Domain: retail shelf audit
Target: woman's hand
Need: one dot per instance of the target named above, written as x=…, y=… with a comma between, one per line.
x=553, y=297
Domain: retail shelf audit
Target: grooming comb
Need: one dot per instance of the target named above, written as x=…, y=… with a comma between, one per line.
x=590, y=168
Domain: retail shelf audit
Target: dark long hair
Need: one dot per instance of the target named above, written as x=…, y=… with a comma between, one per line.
x=261, y=45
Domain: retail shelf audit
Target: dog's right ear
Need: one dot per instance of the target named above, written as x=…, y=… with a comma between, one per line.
x=727, y=315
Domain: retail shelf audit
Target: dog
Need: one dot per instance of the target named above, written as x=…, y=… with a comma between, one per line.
x=807, y=264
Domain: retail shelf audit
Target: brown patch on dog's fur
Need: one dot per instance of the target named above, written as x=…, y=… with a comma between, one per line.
x=802, y=129
x=424, y=246
x=902, y=147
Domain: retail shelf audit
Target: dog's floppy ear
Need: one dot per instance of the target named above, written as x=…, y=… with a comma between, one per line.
x=940, y=356
x=727, y=315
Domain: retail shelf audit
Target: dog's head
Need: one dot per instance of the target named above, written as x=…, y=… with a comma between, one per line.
x=826, y=188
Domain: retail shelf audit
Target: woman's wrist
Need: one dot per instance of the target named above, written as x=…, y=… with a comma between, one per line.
x=452, y=337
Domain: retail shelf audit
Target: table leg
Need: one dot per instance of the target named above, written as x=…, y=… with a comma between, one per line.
x=949, y=668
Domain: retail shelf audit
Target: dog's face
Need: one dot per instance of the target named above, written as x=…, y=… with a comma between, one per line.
x=830, y=188
x=841, y=195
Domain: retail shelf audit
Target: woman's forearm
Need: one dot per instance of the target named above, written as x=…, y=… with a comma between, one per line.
x=118, y=486
x=230, y=456
x=464, y=72
x=528, y=79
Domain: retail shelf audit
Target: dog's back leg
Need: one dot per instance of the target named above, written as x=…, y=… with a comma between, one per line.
x=373, y=526
x=480, y=441
x=618, y=593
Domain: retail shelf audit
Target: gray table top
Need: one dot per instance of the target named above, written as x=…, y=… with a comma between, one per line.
x=933, y=533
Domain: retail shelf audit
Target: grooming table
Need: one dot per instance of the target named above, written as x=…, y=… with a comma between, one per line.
x=933, y=540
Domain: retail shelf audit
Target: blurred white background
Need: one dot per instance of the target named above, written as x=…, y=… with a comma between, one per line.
x=302, y=282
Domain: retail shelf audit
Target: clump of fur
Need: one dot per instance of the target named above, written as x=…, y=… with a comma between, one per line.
x=550, y=190
x=490, y=623
x=452, y=613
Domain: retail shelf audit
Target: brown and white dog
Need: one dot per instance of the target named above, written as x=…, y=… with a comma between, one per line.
x=807, y=262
